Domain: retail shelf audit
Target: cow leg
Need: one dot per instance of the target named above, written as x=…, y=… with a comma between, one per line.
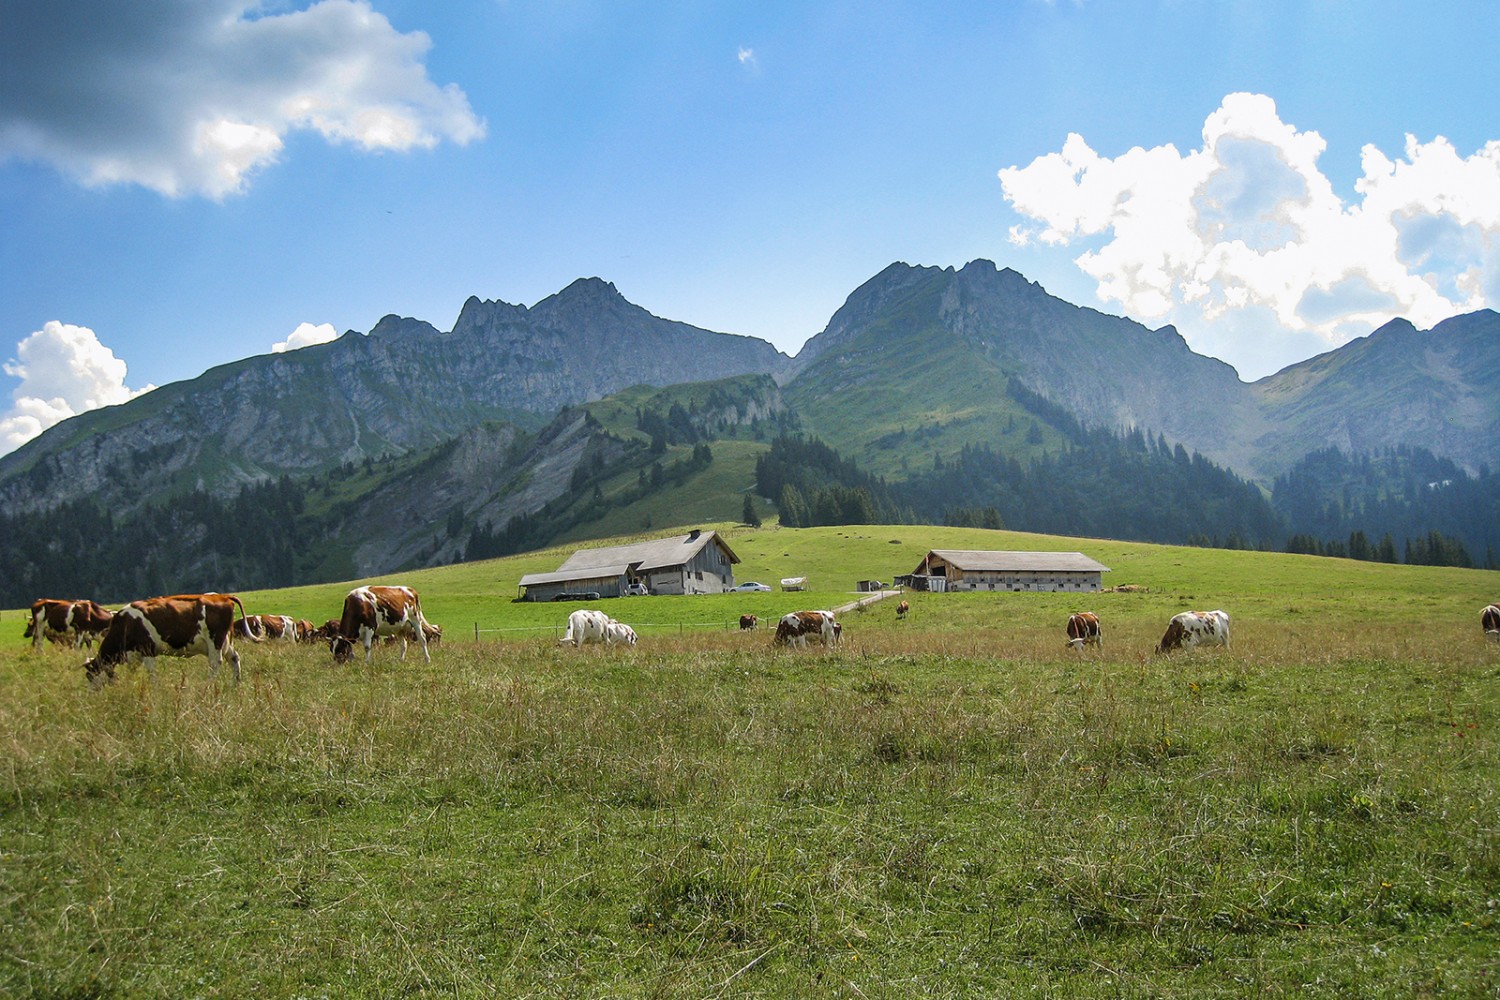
x=403, y=647
x=421, y=635
x=234, y=662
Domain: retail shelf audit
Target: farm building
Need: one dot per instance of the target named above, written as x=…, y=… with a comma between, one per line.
x=961, y=569
x=699, y=562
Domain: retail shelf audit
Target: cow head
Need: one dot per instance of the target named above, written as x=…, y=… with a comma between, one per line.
x=342, y=649
x=30, y=629
x=1172, y=639
x=98, y=674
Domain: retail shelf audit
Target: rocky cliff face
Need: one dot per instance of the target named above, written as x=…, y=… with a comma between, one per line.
x=1438, y=388
x=405, y=387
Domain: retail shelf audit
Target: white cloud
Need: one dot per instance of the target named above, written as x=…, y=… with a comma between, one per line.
x=64, y=371
x=747, y=58
x=305, y=336
x=1248, y=228
x=193, y=96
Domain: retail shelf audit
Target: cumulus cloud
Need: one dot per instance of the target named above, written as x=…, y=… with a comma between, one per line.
x=305, y=336
x=64, y=371
x=1247, y=234
x=193, y=96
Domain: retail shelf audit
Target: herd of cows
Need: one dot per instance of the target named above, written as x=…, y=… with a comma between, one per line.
x=204, y=624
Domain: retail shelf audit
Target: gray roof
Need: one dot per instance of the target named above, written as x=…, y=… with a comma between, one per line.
x=596, y=573
x=658, y=553
x=616, y=560
x=1033, y=562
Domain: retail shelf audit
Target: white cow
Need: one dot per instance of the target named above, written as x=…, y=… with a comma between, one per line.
x=1192, y=628
x=586, y=626
x=618, y=632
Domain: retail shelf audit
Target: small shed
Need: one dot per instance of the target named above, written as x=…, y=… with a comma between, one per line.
x=968, y=569
x=699, y=562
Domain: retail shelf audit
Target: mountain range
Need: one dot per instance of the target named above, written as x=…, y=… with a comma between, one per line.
x=516, y=407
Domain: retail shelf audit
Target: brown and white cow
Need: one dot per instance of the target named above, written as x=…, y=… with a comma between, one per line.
x=902, y=609
x=180, y=625
x=306, y=630
x=370, y=612
x=1083, y=629
x=748, y=622
x=1193, y=628
x=794, y=629
x=261, y=628
x=1489, y=620
x=66, y=623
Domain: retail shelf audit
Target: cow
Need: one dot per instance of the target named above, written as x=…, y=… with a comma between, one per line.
x=326, y=632
x=1083, y=629
x=902, y=609
x=306, y=630
x=618, y=632
x=276, y=628
x=585, y=626
x=748, y=622
x=1489, y=620
x=180, y=625
x=72, y=623
x=1192, y=628
x=371, y=612
x=793, y=629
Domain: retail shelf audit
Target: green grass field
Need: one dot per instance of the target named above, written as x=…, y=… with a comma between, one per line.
x=950, y=805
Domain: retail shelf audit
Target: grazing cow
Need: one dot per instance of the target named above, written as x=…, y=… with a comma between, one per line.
x=327, y=632
x=181, y=625
x=793, y=629
x=618, y=632
x=748, y=622
x=584, y=626
x=306, y=630
x=371, y=612
x=1083, y=628
x=259, y=628
x=71, y=623
x=1192, y=628
x=902, y=609
x=1489, y=619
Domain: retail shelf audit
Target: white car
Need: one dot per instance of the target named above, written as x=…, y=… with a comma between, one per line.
x=637, y=589
x=745, y=588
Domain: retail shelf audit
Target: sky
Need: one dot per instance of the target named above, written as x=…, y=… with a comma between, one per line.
x=184, y=183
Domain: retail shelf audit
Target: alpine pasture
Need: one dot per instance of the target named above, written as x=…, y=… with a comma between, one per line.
x=954, y=804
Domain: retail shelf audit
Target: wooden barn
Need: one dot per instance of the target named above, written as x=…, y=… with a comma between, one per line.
x=966, y=569
x=699, y=562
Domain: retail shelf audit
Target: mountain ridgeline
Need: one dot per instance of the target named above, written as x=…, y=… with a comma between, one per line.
x=934, y=394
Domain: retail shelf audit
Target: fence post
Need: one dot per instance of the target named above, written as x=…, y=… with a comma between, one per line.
x=476, y=631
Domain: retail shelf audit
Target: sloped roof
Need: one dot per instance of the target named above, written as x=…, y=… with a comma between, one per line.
x=658, y=553
x=593, y=573
x=1031, y=562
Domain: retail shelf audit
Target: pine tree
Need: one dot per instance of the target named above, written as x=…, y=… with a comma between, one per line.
x=748, y=514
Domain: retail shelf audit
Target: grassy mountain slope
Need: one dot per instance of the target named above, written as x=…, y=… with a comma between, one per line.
x=1439, y=389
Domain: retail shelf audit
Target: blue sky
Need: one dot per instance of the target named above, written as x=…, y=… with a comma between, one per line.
x=188, y=182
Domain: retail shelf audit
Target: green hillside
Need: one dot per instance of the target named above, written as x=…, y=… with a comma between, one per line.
x=1262, y=591
x=893, y=418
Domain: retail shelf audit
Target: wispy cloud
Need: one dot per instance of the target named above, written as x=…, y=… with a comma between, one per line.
x=64, y=371
x=1248, y=226
x=747, y=58
x=193, y=96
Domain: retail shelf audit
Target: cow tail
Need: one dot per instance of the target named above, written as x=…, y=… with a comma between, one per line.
x=248, y=630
